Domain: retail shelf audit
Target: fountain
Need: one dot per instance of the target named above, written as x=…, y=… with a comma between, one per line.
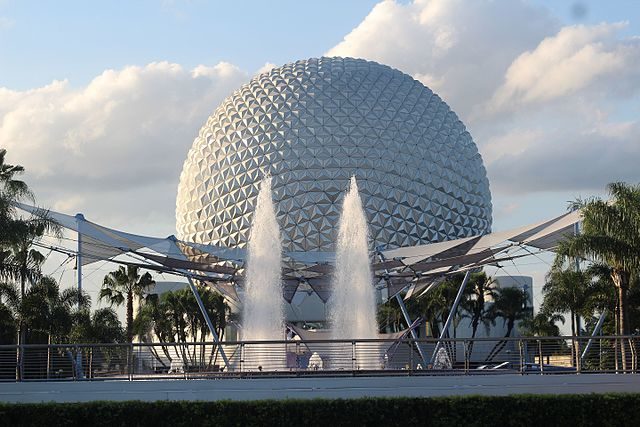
x=263, y=310
x=352, y=307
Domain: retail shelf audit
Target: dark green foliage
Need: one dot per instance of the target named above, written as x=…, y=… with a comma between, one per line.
x=174, y=317
x=524, y=410
x=122, y=286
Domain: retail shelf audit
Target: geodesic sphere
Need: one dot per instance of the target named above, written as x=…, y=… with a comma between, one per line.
x=312, y=124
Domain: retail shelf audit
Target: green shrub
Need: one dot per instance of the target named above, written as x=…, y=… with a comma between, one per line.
x=524, y=410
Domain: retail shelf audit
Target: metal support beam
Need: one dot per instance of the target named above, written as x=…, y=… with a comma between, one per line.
x=412, y=331
x=216, y=338
x=79, y=220
x=576, y=232
x=452, y=313
x=596, y=331
x=405, y=314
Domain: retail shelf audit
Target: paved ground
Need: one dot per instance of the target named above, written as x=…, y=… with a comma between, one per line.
x=307, y=388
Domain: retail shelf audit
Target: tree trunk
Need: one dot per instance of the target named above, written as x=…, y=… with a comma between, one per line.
x=475, y=323
x=21, y=330
x=621, y=281
x=49, y=356
x=616, y=332
x=573, y=342
x=129, y=316
x=500, y=344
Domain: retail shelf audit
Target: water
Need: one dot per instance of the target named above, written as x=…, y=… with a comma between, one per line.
x=263, y=309
x=352, y=307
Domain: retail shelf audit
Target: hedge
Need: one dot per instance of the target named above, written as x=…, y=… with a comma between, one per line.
x=523, y=410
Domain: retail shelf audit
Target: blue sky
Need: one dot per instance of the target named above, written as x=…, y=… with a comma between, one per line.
x=77, y=40
x=100, y=101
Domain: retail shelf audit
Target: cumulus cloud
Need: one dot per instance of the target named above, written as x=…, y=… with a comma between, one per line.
x=268, y=66
x=575, y=59
x=459, y=48
x=115, y=147
x=540, y=99
x=548, y=106
x=567, y=160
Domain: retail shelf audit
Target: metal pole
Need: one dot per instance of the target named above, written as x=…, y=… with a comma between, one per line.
x=405, y=314
x=208, y=320
x=596, y=330
x=79, y=221
x=576, y=231
x=412, y=331
x=452, y=313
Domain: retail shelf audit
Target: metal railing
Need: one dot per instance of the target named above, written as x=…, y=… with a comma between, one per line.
x=462, y=356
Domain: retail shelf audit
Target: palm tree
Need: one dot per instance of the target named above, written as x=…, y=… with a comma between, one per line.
x=390, y=318
x=611, y=235
x=11, y=228
x=479, y=289
x=122, y=286
x=436, y=304
x=46, y=310
x=19, y=262
x=510, y=304
x=7, y=176
x=11, y=190
x=567, y=291
x=544, y=324
x=9, y=312
x=101, y=326
x=175, y=317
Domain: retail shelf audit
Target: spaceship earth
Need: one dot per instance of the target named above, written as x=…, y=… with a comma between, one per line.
x=311, y=125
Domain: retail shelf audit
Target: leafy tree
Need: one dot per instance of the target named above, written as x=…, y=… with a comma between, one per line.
x=436, y=304
x=9, y=312
x=11, y=190
x=47, y=310
x=44, y=312
x=100, y=326
x=19, y=261
x=175, y=317
x=511, y=305
x=479, y=289
x=568, y=291
x=122, y=286
x=611, y=235
x=544, y=324
x=390, y=318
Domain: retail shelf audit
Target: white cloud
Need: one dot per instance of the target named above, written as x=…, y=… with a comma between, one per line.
x=268, y=66
x=540, y=99
x=115, y=147
x=460, y=48
x=571, y=61
x=513, y=142
x=569, y=160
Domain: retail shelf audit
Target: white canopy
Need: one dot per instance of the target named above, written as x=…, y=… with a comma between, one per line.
x=415, y=267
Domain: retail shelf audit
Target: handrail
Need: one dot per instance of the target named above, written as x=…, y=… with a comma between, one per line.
x=317, y=341
x=456, y=356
